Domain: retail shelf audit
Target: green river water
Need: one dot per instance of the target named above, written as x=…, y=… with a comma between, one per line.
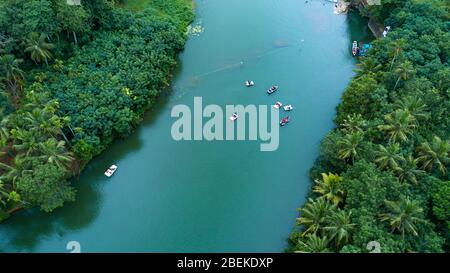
x=223, y=196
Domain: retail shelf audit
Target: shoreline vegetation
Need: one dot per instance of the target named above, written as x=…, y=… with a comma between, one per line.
x=73, y=79
x=382, y=175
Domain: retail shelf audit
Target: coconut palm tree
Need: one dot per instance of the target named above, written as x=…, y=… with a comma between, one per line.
x=395, y=49
x=312, y=244
x=314, y=215
x=4, y=137
x=48, y=123
x=408, y=171
x=367, y=64
x=39, y=48
x=434, y=154
x=4, y=193
x=354, y=123
x=25, y=141
x=399, y=125
x=2, y=85
x=403, y=215
x=389, y=157
x=330, y=188
x=404, y=71
x=339, y=227
x=13, y=75
x=54, y=152
x=415, y=106
x=19, y=167
x=350, y=146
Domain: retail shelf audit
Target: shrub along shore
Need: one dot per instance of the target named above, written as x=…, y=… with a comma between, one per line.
x=382, y=173
x=72, y=79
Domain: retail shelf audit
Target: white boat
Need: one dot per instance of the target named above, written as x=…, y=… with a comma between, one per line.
x=249, y=83
x=111, y=170
x=355, y=48
x=288, y=107
x=272, y=89
x=277, y=105
x=234, y=117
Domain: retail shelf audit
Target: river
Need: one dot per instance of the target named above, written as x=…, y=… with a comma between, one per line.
x=220, y=196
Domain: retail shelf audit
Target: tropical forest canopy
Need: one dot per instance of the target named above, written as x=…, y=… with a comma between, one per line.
x=383, y=172
x=73, y=78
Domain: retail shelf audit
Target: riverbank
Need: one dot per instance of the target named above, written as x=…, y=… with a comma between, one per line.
x=376, y=181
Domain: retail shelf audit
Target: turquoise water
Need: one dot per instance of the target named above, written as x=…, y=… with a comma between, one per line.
x=223, y=196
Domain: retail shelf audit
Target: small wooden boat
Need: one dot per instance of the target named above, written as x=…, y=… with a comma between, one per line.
x=355, y=48
x=272, y=89
x=277, y=105
x=284, y=121
x=249, y=83
x=234, y=117
x=288, y=107
x=111, y=170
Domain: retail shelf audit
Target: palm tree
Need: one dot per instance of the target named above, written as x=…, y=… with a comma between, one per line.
x=39, y=48
x=340, y=227
x=404, y=71
x=389, y=157
x=46, y=122
x=4, y=40
x=416, y=107
x=313, y=244
x=408, y=171
x=353, y=123
x=4, y=193
x=434, y=154
x=350, y=146
x=20, y=167
x=4, y=137
x=13, y=75
x=26, y=141
x=54, y=152
x=368, y=64
x=329, y=188
x=403, y=215
x=314, y=215
x=399, y=125
x=395, y=49
x=38, y=120
x=2, y=85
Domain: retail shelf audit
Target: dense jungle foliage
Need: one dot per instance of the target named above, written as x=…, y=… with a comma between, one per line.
x=383, y=172
x=72, y=79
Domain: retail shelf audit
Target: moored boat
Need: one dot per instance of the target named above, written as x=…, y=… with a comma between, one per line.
x=355, y=48
x=249, y=83
x=111, y=170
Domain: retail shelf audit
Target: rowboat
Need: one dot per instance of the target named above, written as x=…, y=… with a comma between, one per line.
x=355, y=48
x=111, y=170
